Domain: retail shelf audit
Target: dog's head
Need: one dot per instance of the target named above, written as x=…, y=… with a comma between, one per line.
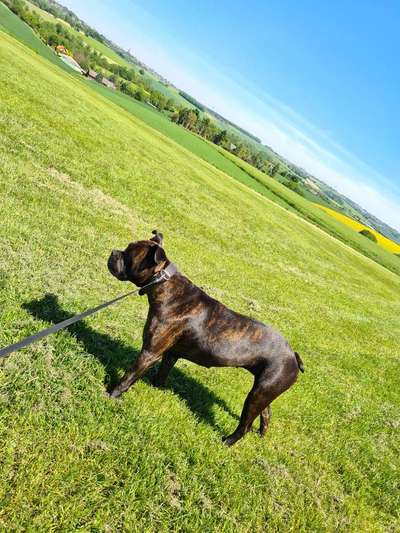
x=140, y=261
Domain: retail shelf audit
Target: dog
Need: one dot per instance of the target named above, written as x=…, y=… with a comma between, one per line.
x=185, y=322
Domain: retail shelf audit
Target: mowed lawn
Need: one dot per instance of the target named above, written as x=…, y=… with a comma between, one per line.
x=80, y=176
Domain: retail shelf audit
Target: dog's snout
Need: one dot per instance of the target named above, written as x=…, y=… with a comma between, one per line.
x=116, y=264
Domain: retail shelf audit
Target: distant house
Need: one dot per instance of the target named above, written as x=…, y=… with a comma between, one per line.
x=70, y=61
x=92, y=74
x=232, y=147
x=108, y=83
x=60, y=49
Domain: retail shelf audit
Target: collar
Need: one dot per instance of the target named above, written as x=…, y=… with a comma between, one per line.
x=163, y=275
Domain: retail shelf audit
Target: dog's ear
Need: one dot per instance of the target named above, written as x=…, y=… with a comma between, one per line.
x=158, y=237
x=159, y=254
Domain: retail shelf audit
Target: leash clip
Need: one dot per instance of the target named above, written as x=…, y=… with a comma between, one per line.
x=165, y=275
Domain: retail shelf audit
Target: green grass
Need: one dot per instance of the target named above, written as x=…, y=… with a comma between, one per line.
x=312, y=212
x=251, y=177
x=221, y=159
x=79, y=176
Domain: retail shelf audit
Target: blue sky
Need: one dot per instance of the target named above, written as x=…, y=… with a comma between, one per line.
x=317, y=81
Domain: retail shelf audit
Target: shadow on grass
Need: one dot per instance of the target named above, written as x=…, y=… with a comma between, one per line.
x=116, y=356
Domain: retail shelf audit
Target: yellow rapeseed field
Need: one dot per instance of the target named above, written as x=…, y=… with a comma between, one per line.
x=383, y=241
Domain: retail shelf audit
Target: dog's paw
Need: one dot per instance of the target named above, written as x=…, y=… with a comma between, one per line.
x=112, y=395
x=231, y=439
x=228, y=441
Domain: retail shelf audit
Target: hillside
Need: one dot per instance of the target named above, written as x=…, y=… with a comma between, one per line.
x=80, y=176
x=162, y=94
x=220, y=158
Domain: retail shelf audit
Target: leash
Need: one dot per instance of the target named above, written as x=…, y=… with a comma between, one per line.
x=161, y=276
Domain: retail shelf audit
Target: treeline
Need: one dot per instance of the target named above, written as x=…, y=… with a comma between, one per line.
x=69, y=16
x=192, y=101
x=133, y=82
x=203, y=125
x=63, y=13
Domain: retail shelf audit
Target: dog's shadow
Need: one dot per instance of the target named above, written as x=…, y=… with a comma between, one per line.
x=116, y=357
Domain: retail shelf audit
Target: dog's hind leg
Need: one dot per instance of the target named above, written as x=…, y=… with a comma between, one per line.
x=268, y=385
x=256, y=401
x=265, y=417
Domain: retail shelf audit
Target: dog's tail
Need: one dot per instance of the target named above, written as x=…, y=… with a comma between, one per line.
x=299, y=362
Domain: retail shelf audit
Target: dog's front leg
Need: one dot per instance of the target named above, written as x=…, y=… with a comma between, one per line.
x=145, y=360
x=166, y=365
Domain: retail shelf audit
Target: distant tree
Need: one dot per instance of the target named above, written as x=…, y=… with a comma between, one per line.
x=273, y=169
x=257, y=160
x=99, y=77
x=170, y=105
x=191, y=119
x=294, y=186
x=182, y=116
x=367, y=233
x=82, y=60
x=158, y=100
x=203, y=125
x=130, y=74
x=221, y=137
x=141, y=71
x=52, y=39
x=175, y=116
x=140, y=94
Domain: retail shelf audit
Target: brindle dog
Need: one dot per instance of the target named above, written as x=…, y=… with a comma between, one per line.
x=183, y=321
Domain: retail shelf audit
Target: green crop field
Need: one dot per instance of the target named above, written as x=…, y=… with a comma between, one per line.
x=312, y=212
x=80, y=175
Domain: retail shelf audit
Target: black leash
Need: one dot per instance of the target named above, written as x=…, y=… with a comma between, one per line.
x=163, y=275
x=61, y=325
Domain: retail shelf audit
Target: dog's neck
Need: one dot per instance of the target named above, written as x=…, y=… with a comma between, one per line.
x=160, y=278
x=163, y=294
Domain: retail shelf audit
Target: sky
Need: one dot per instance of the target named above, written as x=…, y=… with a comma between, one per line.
x=317, y=81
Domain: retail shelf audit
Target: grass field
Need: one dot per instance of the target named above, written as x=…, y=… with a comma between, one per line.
x=79, y=176
x=251, y=177
x=383, y=241
x=312, y=212
x=224, y=161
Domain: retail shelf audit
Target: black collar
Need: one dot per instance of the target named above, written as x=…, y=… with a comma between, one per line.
x=163, y=275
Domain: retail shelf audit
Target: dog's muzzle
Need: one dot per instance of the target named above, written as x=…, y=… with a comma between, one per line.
x=116, y=265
